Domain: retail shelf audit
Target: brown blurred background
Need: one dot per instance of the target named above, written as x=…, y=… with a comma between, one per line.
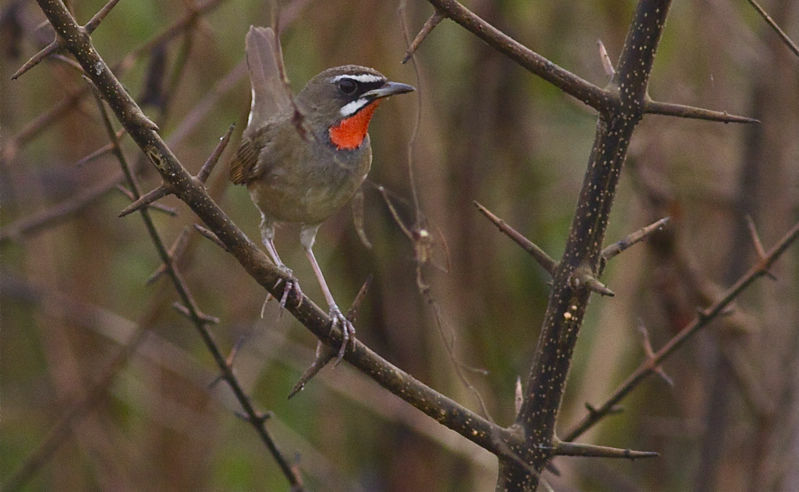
x=74, y=292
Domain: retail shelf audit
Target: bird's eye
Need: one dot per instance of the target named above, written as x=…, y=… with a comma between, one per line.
x=347, y=86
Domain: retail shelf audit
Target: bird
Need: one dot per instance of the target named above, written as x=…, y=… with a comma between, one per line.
x=303, y=157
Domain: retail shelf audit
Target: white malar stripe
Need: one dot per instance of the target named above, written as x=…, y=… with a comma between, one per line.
x=252, y=106
x=353, y=107
x=359, y=77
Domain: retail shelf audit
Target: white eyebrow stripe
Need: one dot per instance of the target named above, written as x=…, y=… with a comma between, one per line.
x=353, y=107
x=359, y=77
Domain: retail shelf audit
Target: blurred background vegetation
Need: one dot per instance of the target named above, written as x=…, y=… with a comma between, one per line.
x=74, y=291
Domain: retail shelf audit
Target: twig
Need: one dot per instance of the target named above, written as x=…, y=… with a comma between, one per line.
x=702, y=319
x=785, y=38
x=427, y=28
x=538, y=254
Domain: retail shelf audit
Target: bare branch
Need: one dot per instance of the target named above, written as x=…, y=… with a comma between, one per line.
x=538, y=254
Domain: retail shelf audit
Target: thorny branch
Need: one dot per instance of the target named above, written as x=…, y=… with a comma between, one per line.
x=702, y=319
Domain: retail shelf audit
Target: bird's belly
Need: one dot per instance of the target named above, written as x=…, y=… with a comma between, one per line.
x=308, y=197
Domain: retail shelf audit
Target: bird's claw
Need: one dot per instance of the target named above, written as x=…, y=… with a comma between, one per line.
x=292, y=286
x=337, y=319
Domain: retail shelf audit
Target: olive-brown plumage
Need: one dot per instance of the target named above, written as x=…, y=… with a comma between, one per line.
x=303, y=158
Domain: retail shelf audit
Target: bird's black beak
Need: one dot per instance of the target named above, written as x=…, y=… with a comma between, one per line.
x=388, y=89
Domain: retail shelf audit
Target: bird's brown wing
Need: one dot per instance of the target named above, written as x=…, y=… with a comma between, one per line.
x=270, y=92
x=244, y=164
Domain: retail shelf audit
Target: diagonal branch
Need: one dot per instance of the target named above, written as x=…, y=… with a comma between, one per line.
x=785, y=38
x=253, y=260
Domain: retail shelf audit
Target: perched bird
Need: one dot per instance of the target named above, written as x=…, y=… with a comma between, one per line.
x=302, y=158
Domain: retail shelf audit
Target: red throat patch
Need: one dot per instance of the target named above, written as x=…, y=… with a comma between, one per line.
x=350, y=132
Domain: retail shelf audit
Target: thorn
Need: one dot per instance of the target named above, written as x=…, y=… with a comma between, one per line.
x=154, y=206
x=607, y=65
x=538, y=254
x=582, y=277
x=146, y=199
x=518, y=396
x=216, y=381
x=208, y=166
x=427, y=28
x=38, y=57
x=683, y=111
x=702, y=315
x=206, y=233
x=561, y=448
x=99, y=16
x=324, y=354
x=750, y=224
x=633, y=238
x=352, y=312
x=175, y=252
x=257, y=417
x=650, y=354
x=234, y=352
x=202, y=317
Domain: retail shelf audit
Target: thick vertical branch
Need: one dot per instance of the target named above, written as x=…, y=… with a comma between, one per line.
x=568, y=300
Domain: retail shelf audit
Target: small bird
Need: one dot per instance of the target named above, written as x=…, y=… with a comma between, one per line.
x=302, y=158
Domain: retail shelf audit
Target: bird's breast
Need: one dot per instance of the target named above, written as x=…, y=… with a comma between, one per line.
x=307, y=181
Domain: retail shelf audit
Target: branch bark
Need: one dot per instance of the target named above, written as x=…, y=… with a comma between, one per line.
x=567, y=301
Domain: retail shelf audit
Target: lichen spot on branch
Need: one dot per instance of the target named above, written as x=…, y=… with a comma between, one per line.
x=156, y=158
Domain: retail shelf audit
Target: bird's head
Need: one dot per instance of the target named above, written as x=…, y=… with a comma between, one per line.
x=340, y=102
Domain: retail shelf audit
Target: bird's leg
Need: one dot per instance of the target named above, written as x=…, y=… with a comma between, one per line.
x=307, y=238
x=292, y=285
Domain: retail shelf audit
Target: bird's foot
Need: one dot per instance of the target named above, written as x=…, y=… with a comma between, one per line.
x=347, y=330
x=292, y=287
